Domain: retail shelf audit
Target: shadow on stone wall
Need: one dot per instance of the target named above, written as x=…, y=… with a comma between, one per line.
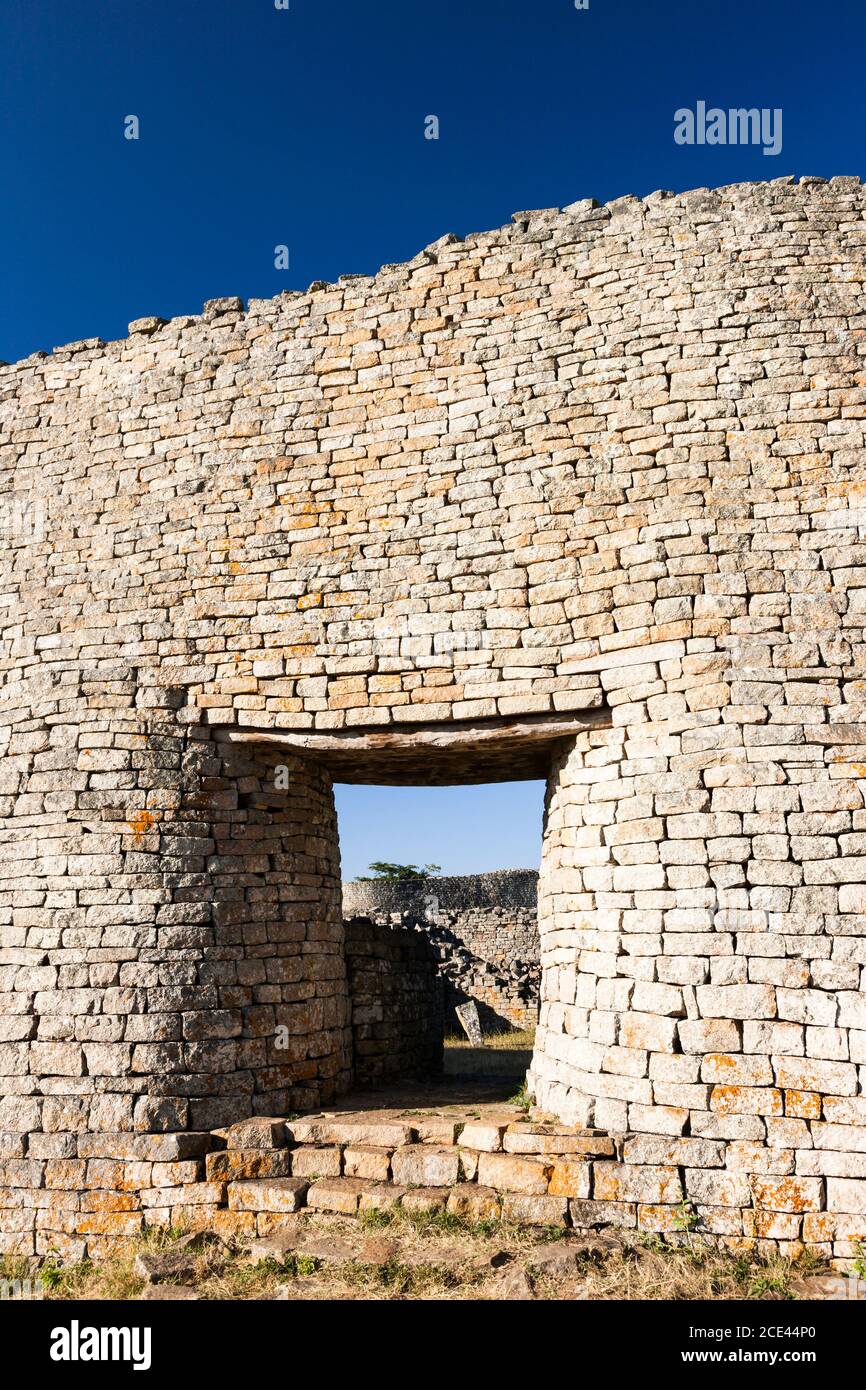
x=483, y=930
x=396, y=1000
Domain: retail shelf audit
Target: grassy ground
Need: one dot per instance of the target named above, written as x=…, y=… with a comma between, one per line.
x=503, y=1054
x=434, y=1256
x=512, y=1040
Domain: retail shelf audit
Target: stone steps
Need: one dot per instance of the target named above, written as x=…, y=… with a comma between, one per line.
x=493, y=1162
x=480, y=1167
x=481, y=1162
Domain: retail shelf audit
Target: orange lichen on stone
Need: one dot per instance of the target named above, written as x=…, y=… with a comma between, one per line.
x=724, y=1062
x=141, y=823
x=658, y=1218
x=746, y=1100
x=101, y=1201
x=570, y=1178
x=788, y=1194
x=805, y=1105
x=818, y=1226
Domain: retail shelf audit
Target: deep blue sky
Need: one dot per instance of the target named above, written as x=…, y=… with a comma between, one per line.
x=464, y=829
x=305, y=127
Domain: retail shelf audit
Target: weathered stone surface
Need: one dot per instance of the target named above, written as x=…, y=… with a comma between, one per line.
x=535, y=1139
x=381, y=1196
x=364, y=1161
x=709, y=1035
x=615, y=1182
x=318, y=1161
x=336, y=1194
x=350, y=1131
x=514, y=1286
x=422, y=1165
x=514, y=1173
x=468, y=1164
x=589, y=1215
x=485, y=1137
x=788, y=1194
x=257, y=1134
x=268, y=1194
x=275, y=1247
x=688, y=1153
x=378, y=1250
x=530, y=1210
x=232, y=1226
x=556, y=1260
x=435, y=1129
x=716, y=1189
x=160, y=1267
x=474, y=1203
x=269, y=1223
x=571, y=1178
x=156, y=1148
x=467, y=1015
x=421, y=1199
x=232, y=1165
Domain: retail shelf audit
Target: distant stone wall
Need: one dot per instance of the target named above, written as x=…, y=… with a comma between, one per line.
x=494, y=915
x=484, y=930
x=502, y=888
x=396, y=1002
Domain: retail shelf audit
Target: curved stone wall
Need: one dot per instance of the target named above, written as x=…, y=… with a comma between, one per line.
x=583, y=491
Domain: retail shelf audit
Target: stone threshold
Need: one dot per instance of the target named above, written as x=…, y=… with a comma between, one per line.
x=488, y=1163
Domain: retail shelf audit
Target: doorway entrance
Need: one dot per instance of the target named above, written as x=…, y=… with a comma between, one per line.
x=452, y=869
x=433, y=756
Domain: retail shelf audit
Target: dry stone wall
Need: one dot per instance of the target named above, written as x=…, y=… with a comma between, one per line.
x=494, y=915
x=483, y=929
x=396, y=1001
x=585, y=490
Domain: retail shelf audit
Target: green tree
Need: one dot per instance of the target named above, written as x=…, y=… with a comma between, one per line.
x=382, y=869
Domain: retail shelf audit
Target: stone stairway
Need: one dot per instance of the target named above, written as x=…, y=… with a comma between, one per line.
x=486, y=1160
x=464, y=1152
x=490, y=1162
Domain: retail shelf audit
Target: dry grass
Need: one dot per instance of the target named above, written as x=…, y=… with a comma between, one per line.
x=519, y=1041
x=442, y=1258
x=654, y=1271
x=503, y=1054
